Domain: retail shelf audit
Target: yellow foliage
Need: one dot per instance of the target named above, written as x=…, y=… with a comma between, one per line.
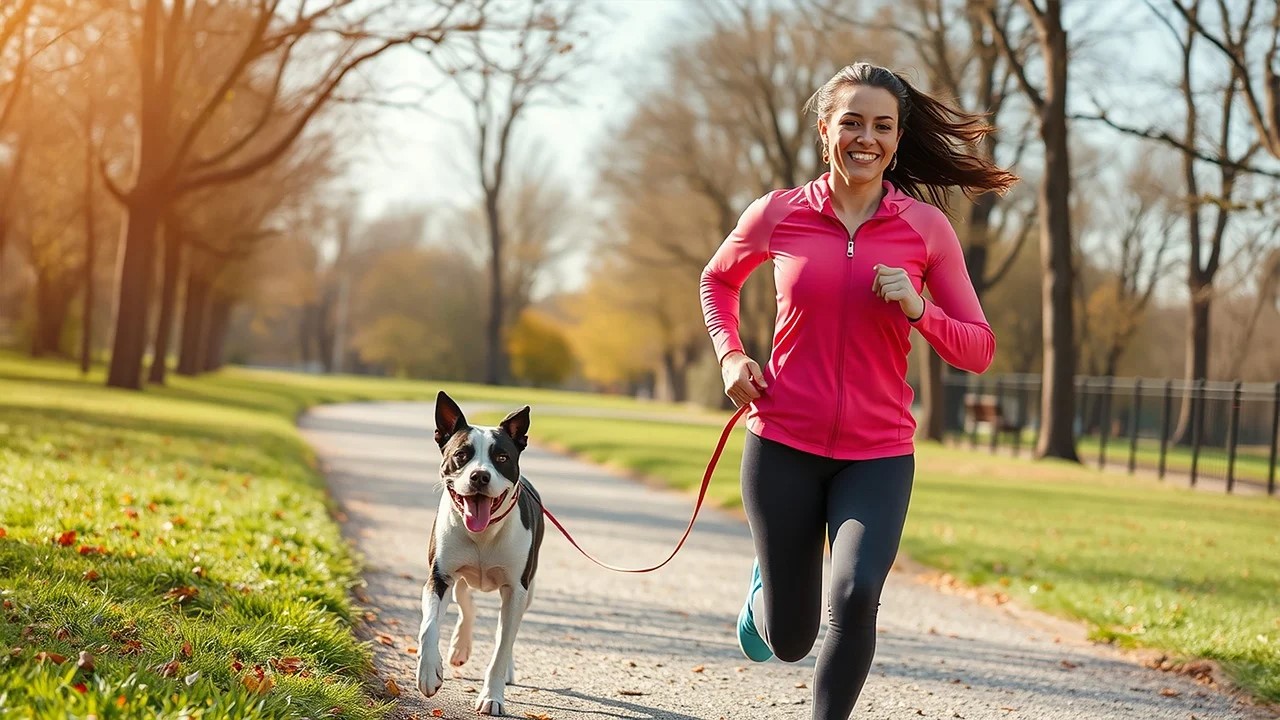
x=538, y=349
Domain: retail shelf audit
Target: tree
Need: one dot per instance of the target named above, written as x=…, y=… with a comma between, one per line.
x=500, y=90
x=1260, y=81
x=540, y=353
x=1057, y=407
x=175, y=157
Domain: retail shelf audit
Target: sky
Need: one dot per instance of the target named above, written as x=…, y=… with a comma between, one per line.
x=415, y=157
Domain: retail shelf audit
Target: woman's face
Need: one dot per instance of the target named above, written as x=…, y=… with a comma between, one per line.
x=863, y=132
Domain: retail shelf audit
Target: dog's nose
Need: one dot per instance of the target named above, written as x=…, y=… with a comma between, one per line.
x=480, y=477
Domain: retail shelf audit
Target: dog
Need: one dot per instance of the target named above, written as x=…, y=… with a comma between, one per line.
x=486, y=536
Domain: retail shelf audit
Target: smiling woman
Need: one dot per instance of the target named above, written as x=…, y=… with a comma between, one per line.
x=830, y=449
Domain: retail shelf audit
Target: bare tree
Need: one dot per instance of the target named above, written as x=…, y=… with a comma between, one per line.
x=501, y=85
x=1057, y=434
x=174, y=155
x=1260, y=88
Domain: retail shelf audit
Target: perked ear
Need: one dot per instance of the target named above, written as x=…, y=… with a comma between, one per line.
x=517, y=426
x=449, y=418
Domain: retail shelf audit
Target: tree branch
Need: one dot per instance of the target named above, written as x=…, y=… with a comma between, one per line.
x=1164, y=137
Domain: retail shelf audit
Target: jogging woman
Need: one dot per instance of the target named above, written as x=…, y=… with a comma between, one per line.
x=829, y=451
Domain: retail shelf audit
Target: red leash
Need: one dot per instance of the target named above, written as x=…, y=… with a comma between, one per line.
x=702, y=493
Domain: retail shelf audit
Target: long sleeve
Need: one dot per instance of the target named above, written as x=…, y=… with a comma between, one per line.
x=722, y=278
x=954, y=323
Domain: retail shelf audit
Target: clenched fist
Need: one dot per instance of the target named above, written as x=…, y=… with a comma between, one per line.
x=894, y=285
x=742, y=378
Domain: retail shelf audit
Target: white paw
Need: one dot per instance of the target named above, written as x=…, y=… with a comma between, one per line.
x=459, y=651
x=490, y=706
x=430, y=674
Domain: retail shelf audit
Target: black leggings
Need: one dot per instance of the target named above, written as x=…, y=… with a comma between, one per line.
x=792, y=498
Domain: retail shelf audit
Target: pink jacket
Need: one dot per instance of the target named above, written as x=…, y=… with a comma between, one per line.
x=837, y=373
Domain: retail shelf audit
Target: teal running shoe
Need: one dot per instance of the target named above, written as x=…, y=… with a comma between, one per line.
x=749, y=640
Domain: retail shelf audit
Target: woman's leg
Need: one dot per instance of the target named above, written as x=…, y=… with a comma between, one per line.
x=784, y=496
x=866, y=509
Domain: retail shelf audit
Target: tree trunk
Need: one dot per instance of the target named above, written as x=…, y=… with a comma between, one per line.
x=52, y=303
x=1057, y=436
x=168, y=297
x=933, y=394
x=494, y=363
x=137, y=268
x=90, y=259
x=1197, y=363
x=194, y=321
x=215, y=338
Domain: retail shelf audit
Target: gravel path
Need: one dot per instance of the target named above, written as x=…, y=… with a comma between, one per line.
x=596, y=645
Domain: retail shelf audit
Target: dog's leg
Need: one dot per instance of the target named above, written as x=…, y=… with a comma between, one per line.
x=493, y=696
x=460, y=645
x=434, y=605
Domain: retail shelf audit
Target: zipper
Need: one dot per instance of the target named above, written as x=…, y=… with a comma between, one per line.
x=844, y=309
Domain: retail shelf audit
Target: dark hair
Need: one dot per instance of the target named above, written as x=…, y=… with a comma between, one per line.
x=935, y=152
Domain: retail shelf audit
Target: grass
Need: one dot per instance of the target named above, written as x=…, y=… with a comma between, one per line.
x=1140, y=563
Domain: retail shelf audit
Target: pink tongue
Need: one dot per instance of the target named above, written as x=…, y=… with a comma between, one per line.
x=475, y=512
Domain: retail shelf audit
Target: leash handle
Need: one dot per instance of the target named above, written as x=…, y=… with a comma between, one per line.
x=702, y=493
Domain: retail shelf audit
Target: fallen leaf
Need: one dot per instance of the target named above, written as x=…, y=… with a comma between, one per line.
x=801, y=685
x=169, y=669
x=630, y=693
x=66, y=539
x=411, y=650
x=52, y=657
x=91, y=575
x=131, y=647
x=437, y=713
x=187, y=649
x=89, y=550
x=386, y=639
x=62, y=634
x=699, y=668
x=1169, y=692
x=80, y=687
x=538, y=716
x=131, y=513
x=1068, y=665
x=392, y=688
x=287, y=666
x=182, y=593
x=85, y=662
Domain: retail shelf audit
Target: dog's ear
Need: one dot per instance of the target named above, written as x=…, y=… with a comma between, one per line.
x=517, y=426
x=449, y=418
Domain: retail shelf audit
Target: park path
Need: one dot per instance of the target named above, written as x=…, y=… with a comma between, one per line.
x=597, y=645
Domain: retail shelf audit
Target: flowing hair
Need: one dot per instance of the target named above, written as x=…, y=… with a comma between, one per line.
x=937, y=150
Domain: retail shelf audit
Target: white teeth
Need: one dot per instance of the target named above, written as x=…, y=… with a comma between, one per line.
x=864, y=157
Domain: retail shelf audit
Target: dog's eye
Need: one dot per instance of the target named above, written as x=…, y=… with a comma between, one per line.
x=501, y=457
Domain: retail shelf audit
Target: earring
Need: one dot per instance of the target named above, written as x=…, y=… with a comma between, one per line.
x=826, y=156
x=894, y=162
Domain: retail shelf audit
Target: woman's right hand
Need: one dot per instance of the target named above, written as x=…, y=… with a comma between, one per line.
x=743, y=380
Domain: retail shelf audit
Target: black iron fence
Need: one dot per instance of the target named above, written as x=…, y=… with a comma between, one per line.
x=1225, y=431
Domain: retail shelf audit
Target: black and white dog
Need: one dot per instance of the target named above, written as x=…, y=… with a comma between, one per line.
x=486, y=536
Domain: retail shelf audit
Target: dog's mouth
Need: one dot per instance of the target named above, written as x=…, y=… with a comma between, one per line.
x=477, y=509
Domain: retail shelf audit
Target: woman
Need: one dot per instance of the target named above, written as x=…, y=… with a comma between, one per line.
x=830, y=441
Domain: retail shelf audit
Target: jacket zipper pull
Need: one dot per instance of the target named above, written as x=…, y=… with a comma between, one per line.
x=850, y=253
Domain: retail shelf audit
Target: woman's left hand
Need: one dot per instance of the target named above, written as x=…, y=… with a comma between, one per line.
x=894, y=285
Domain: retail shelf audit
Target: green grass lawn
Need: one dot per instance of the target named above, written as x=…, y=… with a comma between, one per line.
x=1142, y=564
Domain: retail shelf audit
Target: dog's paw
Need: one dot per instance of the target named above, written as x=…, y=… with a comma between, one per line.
x=430, y=676
x=459, y=651
x=488, y=705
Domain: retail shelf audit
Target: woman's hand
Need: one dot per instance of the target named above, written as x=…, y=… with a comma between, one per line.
x=742, y=378
x=894, y=285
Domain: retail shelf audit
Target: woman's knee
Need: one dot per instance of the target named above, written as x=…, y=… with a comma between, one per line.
x=791, y=638
x=854, y=601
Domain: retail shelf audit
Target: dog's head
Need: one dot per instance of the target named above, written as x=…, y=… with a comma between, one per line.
x=480, y=466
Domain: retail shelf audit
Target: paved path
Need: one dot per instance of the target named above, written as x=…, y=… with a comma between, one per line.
x=597, y=645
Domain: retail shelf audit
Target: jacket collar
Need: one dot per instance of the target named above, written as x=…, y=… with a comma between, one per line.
x=818, y=194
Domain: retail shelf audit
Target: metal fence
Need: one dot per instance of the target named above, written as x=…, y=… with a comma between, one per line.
x=1229, y=432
